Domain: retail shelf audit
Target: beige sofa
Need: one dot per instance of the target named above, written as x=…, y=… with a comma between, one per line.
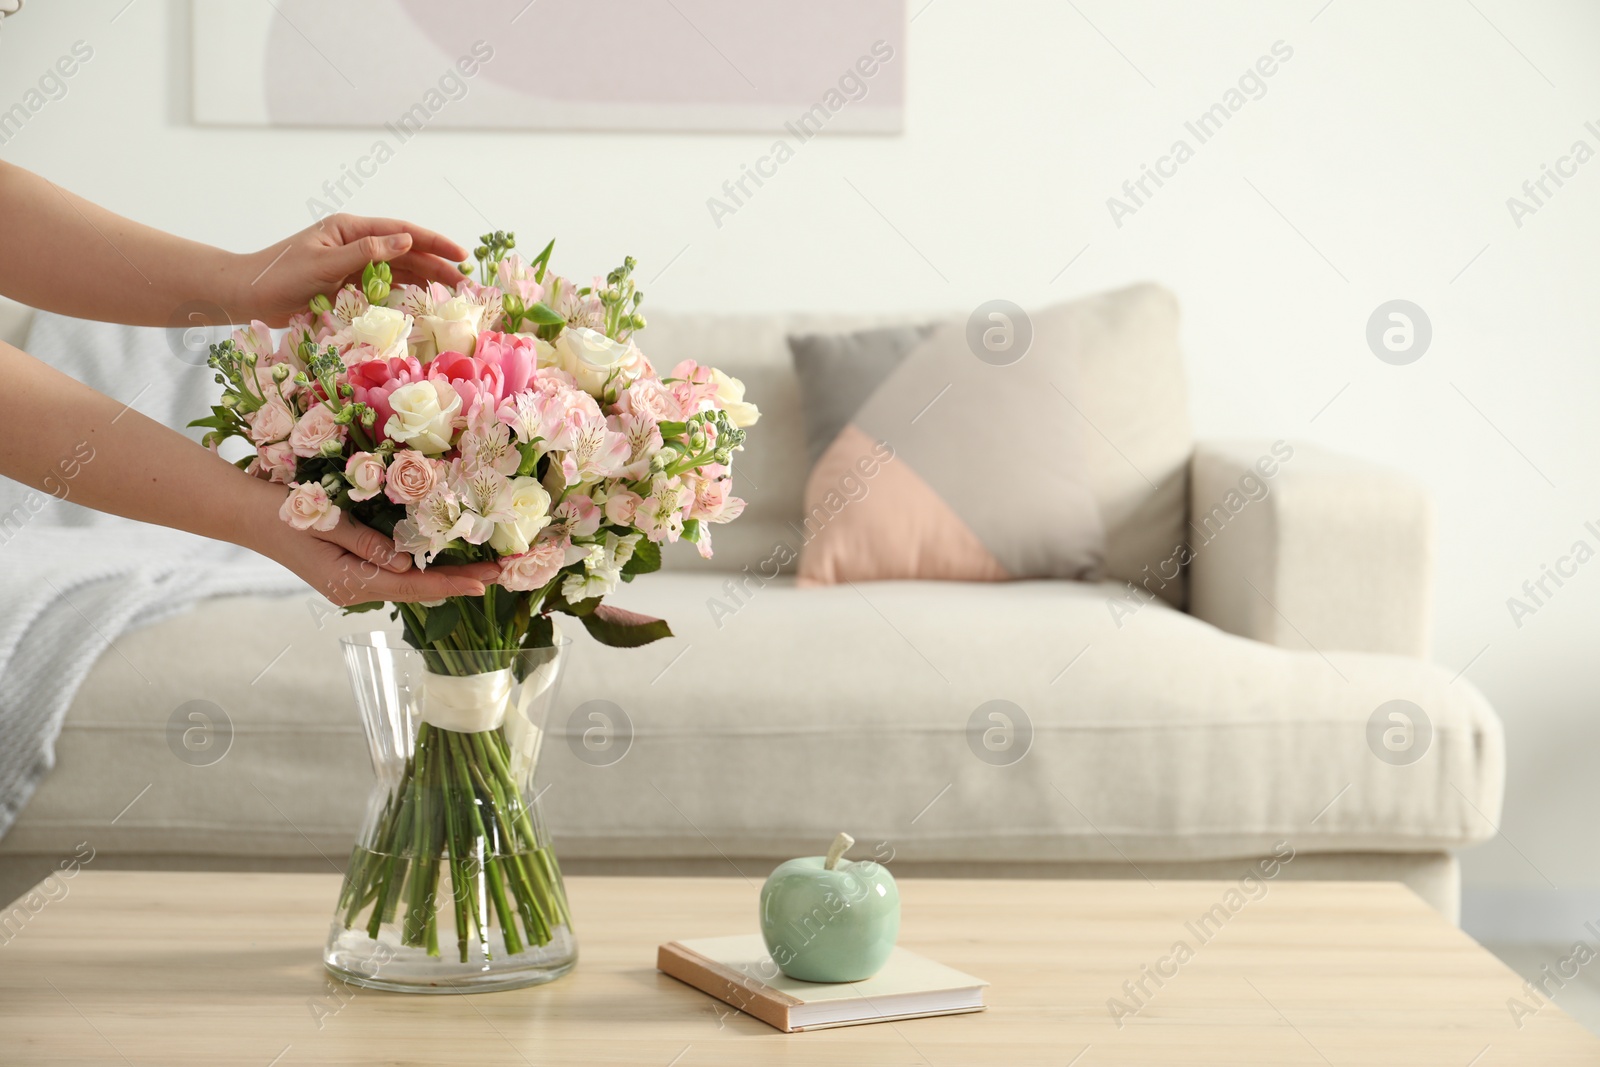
x=1182, y=732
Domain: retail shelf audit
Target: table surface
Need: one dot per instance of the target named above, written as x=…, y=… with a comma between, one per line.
x=168, y=968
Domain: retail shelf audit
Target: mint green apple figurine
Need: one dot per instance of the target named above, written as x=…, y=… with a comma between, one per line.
x=827, y=919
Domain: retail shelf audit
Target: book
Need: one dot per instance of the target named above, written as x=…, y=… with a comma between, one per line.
x=738, y=971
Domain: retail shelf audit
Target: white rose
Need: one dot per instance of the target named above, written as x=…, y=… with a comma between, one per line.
x=424, y=416
x=385, y=329
x=531, y=506
x=365, y=472
x=730, y=398
x=593, y=358
x=453, y=327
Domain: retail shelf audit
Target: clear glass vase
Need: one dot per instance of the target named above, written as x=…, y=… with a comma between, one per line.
x=452, y=886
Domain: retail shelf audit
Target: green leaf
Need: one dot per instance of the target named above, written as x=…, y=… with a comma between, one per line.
x=441, y=622
x=505, y=606
x=379, y=514
x=371, y=605
x=691, y=530
x=669, y=430
x=580, y=609
x=541, y=632
x=623, y=629
x=543, y=314
x=646, y=558
x=542, y=260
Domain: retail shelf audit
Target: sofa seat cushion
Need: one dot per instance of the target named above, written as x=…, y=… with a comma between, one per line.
x=780, y=716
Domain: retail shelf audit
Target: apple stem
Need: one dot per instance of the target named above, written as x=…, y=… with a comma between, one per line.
x=837, y=850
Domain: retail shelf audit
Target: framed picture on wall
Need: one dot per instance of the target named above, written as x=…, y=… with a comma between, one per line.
x=833, y=66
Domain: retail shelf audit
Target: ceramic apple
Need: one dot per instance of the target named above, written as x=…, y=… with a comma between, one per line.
x=828, y=919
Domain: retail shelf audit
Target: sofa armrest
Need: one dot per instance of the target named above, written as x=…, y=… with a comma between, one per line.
x=1300, y=547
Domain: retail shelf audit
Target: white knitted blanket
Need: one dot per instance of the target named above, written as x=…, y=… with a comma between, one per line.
x=73, y=581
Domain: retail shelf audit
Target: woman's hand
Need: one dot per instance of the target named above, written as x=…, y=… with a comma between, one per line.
x=143, y=277
x=276, y=282
x=355, y=564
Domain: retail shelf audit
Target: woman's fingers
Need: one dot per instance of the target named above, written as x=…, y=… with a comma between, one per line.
x=420, y=268
x=348, y=259
x=362, y=540
x=351, y=227
x=435, y=583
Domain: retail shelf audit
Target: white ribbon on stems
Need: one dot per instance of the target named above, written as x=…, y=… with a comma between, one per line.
x=467, y=704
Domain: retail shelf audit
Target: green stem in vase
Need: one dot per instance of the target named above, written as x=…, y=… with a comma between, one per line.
x=527, y=896
x=460, y=879
x=492, y=868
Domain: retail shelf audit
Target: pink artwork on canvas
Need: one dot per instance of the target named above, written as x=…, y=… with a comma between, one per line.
x=715, y=65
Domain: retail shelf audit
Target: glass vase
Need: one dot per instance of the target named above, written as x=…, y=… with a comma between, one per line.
x=452, y=886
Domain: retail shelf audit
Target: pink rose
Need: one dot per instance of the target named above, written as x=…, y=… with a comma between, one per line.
x=648, y=398
x=307, y=507
x=364, y=471
x=621, y=505
x=552, y=408
x=275, y=462
x=315, y=428
x=411, y=477
x=535, y=568
x=271, y=421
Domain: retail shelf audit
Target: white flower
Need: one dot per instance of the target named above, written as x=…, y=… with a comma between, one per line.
x=430, y=524
x=424, y=416
x=452, y=327
x=487, y=495
x=602, y=568
x=365, y=473
x=530, y=509
x=382, y=329
x=594, y=359
x=730, y=398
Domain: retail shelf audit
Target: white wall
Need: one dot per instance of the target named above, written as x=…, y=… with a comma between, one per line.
x=1390, y=141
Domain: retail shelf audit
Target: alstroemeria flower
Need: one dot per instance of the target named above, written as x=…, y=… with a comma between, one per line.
x=486, y=443
x=660, y=514
x=596, y=451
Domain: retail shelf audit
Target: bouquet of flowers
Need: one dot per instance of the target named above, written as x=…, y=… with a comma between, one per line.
x=513, y=419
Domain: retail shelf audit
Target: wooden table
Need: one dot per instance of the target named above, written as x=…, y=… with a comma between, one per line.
x=168, y=969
